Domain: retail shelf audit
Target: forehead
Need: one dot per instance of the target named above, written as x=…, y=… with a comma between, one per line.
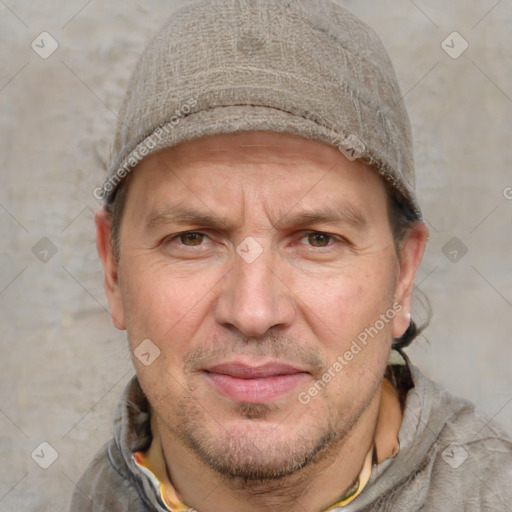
x=281, y=170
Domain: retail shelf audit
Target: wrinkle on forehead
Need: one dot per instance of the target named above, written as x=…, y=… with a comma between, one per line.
x=280, y=180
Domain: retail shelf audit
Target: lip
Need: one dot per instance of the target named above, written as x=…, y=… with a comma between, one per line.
x=252, y=383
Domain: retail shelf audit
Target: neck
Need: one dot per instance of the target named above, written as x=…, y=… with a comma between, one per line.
x=314, y=487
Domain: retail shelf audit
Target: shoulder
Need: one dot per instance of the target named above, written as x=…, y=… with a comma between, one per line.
x=103, y=487
x=471, y=457
x=473, y=462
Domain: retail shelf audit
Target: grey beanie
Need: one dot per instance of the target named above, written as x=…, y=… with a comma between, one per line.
x=304, y=67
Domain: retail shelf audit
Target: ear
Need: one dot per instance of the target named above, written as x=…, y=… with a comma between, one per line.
x=103, y=220
x=412, y=249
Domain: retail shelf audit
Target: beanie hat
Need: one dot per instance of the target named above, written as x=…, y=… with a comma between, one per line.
x=305, y=67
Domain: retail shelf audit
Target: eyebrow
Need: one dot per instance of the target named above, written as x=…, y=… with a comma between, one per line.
x=184, y=215
x=345, y=214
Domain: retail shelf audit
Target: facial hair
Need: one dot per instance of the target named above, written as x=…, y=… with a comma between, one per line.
x=252, y=450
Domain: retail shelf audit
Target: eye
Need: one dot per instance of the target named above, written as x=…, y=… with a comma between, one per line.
x=190, y=239
x=189, y=245
x=318, y=239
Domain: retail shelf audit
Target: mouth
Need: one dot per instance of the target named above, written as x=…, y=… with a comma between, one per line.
x=252, y=383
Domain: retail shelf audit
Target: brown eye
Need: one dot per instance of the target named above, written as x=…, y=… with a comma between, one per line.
x=191, y=239
x=319, y=239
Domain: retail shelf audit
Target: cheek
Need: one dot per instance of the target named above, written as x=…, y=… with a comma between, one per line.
x=339, y=307
x=163, y=305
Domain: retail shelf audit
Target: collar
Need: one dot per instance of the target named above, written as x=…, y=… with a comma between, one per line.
x=385, y=445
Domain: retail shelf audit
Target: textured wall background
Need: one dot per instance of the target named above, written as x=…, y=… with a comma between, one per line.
x=64, y=365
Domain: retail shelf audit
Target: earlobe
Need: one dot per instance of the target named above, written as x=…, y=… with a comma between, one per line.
x=411, y=253
x=103, y=222
x=401, y=323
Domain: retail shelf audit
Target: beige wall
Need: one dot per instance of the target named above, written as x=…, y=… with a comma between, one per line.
x=63, y=365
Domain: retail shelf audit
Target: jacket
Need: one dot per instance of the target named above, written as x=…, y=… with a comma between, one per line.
x=452, y=458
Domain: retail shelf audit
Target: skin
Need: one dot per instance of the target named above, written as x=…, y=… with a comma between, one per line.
x=303, y=300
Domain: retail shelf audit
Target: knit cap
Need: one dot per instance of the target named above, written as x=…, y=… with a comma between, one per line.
x=305, y=67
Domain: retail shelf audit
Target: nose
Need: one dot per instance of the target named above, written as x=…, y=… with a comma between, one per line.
x=255, y=298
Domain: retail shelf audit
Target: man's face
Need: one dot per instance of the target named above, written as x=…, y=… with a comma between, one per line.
x=253, y=261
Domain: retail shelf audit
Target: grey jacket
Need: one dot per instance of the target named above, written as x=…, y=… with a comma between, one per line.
x=452, y=458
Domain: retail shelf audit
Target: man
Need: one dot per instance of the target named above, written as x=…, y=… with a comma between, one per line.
x=260, y=239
